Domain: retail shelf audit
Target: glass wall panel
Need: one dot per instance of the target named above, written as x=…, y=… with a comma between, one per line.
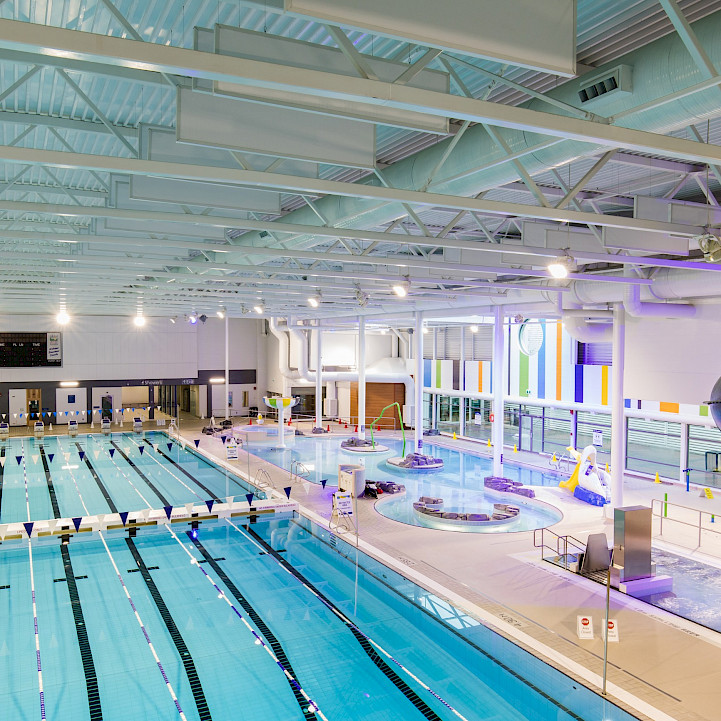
x=587, y=423
x=653, y=446
x=704, y=455
x=557, y=425
x=478, y=424
x=427, y=410
x=449, y=419
x=511, y=423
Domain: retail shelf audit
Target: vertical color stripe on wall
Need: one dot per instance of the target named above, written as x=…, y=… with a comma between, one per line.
x=438, y=374
x=480, y=376
x=522, y=373
x=604, y=385
x=668, y=407
x=427, y=373
x=578, y=395
x=542, y=364
x=559, y=349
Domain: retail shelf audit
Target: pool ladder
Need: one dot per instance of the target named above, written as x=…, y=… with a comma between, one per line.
x=562, y=463
x=263, y=481
x=298, y=472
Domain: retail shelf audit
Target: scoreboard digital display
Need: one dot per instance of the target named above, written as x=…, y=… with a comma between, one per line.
x=30, y=350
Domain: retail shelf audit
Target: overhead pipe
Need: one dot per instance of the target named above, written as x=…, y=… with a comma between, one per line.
x=477, y=163
x=634, y=306
x=302, y=373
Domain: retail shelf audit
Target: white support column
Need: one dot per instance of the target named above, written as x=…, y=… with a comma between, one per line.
x=418, y=378
x=462, y=384
x=618, y=421
x=361, y=377
x=434, y=397
x=281, y=426
x=227, y=368
x=498, y=365
x=318, y=377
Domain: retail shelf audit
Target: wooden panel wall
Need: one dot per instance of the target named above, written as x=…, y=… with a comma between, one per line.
x=378, y=396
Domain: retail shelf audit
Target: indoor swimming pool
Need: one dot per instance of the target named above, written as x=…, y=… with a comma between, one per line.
x=459, y=483
x=268, y=620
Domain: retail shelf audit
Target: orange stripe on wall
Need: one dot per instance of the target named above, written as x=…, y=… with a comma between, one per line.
x=604, y=385
x=559, y=348
x=669, y=407
x=480, y=376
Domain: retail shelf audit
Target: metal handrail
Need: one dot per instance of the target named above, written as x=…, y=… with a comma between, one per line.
x=560, y=460
x=562, y=544
x=298, y=471
x=263, y=479
x=660, y=508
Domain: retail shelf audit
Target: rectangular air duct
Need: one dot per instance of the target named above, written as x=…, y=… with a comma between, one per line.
x=228, y=40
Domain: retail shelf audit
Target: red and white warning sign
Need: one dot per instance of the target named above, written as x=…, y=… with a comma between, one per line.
x=585, y=628
x=612, y=630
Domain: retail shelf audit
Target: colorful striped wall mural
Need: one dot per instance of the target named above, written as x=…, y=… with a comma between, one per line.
x=551, y=374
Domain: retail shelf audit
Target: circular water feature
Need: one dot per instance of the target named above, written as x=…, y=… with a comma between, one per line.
x=459, y=482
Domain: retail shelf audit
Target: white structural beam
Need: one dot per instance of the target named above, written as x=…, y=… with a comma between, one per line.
x=125, y=53
x=291, y=183
x=361, y=377
x=499, y=337
x=618, y=421
x=418, y=383
x=318, y=376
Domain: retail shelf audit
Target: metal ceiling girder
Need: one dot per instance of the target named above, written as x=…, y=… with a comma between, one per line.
x=277, y=181
x=121, y=52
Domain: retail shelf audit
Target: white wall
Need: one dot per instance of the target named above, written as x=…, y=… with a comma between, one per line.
x=62, y=404
x=343, y=390
x=109, y=347
x=242, y=341
x=341, y=349
x=114, y=393
x=672, y=360
x=274, y=379
x=218, y=395
x=135, y=395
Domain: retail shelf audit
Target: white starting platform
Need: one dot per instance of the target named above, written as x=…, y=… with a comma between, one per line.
x=105, y=426
x=4, y=431
x=39, y=429
x=72, y=428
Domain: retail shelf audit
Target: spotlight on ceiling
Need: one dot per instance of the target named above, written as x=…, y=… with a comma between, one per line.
x=62, y=317
x=425, y=330
x=361, y=297
x=192, y=319
x=202, y=318
x=139, y=320
x=220, y=313
x=259, y=308
x=173, y=319
x=401, y=289
x=314, y=300
x=474, y=329
x=562, y=265
x=710, y=246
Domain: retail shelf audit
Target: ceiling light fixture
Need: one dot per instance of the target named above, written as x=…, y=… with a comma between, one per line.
x=259, y=308
x=562, y=265
x=425, y=330
x=173, y=319
x=139, y=320
x=474, y=329
x=216, y=380
x=62, y=317
x=220, y=313
x=401, y=289
x=69, y=384
x=314, y=300
x=192, y=319
x=710, y=246
x=361, y=297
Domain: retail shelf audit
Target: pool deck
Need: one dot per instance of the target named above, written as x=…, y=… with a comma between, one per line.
x=663, y=668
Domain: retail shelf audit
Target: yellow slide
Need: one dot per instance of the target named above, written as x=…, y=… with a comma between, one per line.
x=572, y=482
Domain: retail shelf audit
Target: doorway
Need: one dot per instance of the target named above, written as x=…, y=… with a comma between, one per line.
x=530, y=433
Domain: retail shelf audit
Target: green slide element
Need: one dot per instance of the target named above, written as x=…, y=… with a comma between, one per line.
x=400, y=418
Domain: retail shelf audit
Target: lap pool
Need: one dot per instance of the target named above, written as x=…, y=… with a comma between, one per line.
x=459, y=483
x=254, y=620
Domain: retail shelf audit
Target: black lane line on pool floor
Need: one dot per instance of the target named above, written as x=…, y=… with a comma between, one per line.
x=260, y=624
x=151, y=485
x=180, y=645
x=188, y=475
x=363, y=642
x=2, y=479
x=86, y=654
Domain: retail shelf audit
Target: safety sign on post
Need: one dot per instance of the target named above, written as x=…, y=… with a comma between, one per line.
x=343, y=502
x=612, y=630
x=231, y=450
x=598, y=438
x=584, y=628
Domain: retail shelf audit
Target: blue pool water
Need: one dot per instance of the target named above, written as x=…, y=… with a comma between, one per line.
x=360, y=640
x=459, y=483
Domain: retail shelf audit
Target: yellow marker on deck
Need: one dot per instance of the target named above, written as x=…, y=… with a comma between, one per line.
x=554, y=459
x=454, y=436
x=607, y=468
x=657, y=480
x=489, y=442
x=515, y=448
x=708, y=493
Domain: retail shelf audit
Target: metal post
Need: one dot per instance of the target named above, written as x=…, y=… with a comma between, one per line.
x=462, y=384
x=618, y=431
x=498, y=364
x=434, y=397
x=418, y=378
x=318, y=377
x=683, y=467
x=605, y=624
x=227, y=370
x=361, y=377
